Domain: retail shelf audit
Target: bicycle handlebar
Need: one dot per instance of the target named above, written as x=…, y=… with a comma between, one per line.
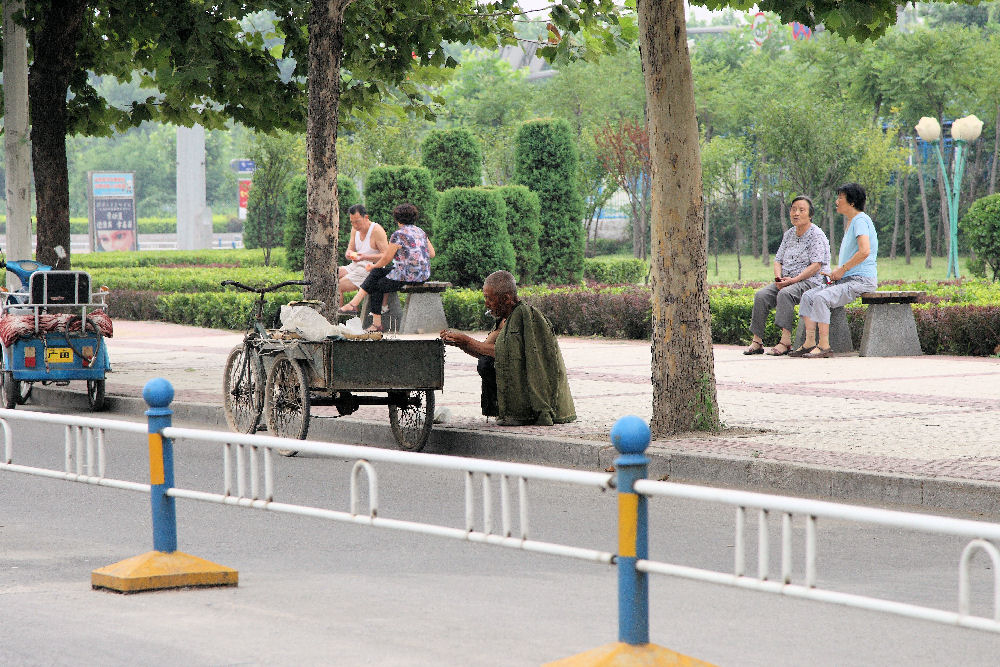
x=264, y=290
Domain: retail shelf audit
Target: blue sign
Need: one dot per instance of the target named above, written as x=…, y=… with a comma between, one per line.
x=243, y=166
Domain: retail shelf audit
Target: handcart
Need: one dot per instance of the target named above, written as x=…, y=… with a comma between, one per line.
x=402, y=374
x=278, y=376
x=52, y=331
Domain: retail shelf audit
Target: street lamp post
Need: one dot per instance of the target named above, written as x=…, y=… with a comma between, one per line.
x=963, y=131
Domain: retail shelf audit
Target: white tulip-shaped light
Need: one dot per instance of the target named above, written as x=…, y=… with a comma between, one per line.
x=929, y=129
x=967, y=129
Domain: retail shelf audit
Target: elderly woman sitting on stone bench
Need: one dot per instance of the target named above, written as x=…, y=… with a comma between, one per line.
x=804, y=252
x=857, y=273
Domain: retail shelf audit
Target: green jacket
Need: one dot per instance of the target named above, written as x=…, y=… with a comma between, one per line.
x=531, y=375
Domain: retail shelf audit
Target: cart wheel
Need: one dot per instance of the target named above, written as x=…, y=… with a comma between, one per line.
x=11, y=389
x=243, y=390
x=25, y=392
x=286, y=401
x=411, y=423
x=95, y=395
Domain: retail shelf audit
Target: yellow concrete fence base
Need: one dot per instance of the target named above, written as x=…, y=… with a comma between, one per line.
x=157, y=570
x=627, y=655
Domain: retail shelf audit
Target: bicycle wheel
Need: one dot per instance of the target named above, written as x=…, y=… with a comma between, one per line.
x=243, y=389
x=411, y=421
x=286, y=401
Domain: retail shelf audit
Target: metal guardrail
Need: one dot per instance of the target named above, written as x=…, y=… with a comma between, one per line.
x=978, y=532
x=247, y=480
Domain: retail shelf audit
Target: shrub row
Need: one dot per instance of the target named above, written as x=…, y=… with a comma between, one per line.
x=614, y=312
x=615, y=270
x=220, y=224
x=219, y=310
x=189, y=280
x=172, y=258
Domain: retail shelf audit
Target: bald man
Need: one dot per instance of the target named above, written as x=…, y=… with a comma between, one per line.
x=524, y=377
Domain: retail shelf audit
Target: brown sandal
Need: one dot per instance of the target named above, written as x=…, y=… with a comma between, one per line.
x=823, y=353
x=802, y=351
x=775, y=353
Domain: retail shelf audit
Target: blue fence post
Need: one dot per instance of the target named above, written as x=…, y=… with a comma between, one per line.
x=631, y=436
x=158, y=393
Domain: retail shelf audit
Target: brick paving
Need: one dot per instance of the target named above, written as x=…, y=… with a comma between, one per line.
x=930, y=416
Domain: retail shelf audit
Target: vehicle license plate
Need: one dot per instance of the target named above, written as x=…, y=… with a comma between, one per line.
x=59, y=355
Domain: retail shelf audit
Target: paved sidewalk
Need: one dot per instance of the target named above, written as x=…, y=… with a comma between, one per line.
x=908, y=430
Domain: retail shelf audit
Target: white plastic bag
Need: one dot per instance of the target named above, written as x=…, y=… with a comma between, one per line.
x=309, y=324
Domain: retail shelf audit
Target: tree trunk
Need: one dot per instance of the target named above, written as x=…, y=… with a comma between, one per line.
x=16, y=137
x=923, y=206
x=54, y=41
x=895, y=222
x=906, y=217
x=830, y=228
x=683, y=368
x=977, y=168
x=996, y=153
x=765, y=252
x=323, y=213
x=754, y=199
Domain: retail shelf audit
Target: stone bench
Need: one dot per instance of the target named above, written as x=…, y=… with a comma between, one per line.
x=890, y=328
x=423, y=312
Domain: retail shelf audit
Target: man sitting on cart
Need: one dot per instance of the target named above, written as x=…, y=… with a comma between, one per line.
x=524, y=377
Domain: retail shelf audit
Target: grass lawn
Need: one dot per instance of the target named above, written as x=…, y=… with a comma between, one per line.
x=755, y=271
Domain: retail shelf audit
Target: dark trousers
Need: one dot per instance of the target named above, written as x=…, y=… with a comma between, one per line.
x=488, y=372
x=377, y=285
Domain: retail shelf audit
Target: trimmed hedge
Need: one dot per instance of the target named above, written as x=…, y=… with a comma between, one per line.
x=295, y=219
x=170, y=258
x=295, y=222
x=615, y=270
x=981, y=227
x=388, y=187
x=472, y=239
x=546, y=162
x=220, y=225
x=189, y=280
x=454, y=159
x=524, y=228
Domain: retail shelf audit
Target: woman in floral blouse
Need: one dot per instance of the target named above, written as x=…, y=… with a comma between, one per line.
x=409, y=250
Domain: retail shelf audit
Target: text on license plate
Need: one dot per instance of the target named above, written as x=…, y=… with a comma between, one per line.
x=59, y=355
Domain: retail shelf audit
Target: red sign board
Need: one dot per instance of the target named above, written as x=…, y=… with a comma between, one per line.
x=244, y=197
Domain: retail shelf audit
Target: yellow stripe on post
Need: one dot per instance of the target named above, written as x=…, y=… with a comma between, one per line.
x=628, y=523
x=156, y=458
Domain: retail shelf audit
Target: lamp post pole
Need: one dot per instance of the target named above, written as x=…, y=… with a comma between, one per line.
x=953, y=189
x=963, y=131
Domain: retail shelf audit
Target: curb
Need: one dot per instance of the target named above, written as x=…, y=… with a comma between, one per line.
x=755, y=474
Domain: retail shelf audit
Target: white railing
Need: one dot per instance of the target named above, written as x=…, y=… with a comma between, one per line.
x=811, y=510
x=84, y=453
x=250, y=483
x=246, y=479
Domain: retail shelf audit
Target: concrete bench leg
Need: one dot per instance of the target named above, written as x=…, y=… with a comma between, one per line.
x=840, y=333
x=890, y=331
x=423, y=313
x=391, y=319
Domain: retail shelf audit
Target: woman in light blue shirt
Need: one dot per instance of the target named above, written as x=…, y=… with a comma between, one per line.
x=857, y=273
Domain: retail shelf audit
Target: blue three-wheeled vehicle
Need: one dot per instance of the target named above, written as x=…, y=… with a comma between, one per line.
x=52, y=331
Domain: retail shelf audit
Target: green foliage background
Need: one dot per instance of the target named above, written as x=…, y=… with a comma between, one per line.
x=472, y=239
x=453, y=157
x=388, y=187
x=546, y=162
